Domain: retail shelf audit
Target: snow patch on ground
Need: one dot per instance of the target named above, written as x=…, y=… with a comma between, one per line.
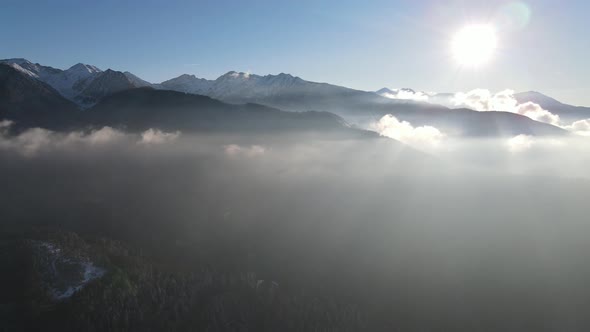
x=62, y=275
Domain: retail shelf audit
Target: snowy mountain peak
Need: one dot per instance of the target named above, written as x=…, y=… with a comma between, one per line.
x=43, y=73
x=384, y=90
x=187, y=76
x=235, y=75
x=104, y=84
x=187, y=83
x=81, y=67
x=285, y=75
x=18, y=61
x=21, y=69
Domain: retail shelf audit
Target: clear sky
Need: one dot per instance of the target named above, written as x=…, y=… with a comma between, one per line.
x=542, y=45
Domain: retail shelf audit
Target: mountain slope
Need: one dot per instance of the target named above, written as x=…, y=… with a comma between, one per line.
x=282, y=91
x=87, y=85
x=104, y=84
x=469, y=123
x=292, y=93
x=67, y=82
x=31, y=103
x=84, y=84
x=136, y=81
x=188, y=83
x=143, y=108
x=567, y=113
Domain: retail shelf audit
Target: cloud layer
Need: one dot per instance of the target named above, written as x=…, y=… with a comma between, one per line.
x=35, y=140
x=235, y=150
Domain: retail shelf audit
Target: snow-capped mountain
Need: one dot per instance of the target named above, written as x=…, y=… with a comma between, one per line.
x=88, y=85
x=29, y=102
x=68, y=82
x=236, y=86
x=188, y=84
x=81, y=83
x=282, y=91
x=104, y=84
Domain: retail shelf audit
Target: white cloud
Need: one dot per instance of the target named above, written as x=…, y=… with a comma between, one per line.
x=104, y=135
x=424, y=136
x=483, y=100
x=477, y=99
x=236, y=150
x=405, y=94
x=520, y=143
x=156, y=136
x=580, y=127
x=537, y=113
x=523, y=143
x=34, y=140
x=5, y=126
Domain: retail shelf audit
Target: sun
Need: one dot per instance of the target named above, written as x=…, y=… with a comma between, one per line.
x=474, y=45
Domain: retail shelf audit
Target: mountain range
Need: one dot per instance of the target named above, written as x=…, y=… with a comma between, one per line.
x=568, y=113
x=30, y=102
x=85, y=87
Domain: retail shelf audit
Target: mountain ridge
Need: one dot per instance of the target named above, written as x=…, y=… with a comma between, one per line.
x=291, y=93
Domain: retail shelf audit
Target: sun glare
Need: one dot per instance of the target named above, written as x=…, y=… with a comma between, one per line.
x=474, y=45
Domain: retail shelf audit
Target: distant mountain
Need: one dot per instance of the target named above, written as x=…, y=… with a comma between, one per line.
x=403, y=94
x=84, y=84
x=30, y=102
x=241, y=87
x=283, y=91
x=105, y=84
x=88, y=85
x=290, y=93
x=469, y=123
x=188, y=83
x=136, y=81
x=143, y=108
x=567, y=113
x=67, y=82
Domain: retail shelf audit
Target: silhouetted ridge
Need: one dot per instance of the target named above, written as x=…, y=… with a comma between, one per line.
x=143, y=108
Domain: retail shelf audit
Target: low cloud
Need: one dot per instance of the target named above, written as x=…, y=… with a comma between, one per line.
x=35, y=140
x=5, y=124
x=156, y=136
x=521, y=143
x=504, y=101
x=581, y=127
x=424, y=136
x=102, y=136
x=537, y=113
x=405, y=94
x=235, y=150
x=483, y=100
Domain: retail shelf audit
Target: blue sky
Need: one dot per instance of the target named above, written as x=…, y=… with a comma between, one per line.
x=359, y=44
